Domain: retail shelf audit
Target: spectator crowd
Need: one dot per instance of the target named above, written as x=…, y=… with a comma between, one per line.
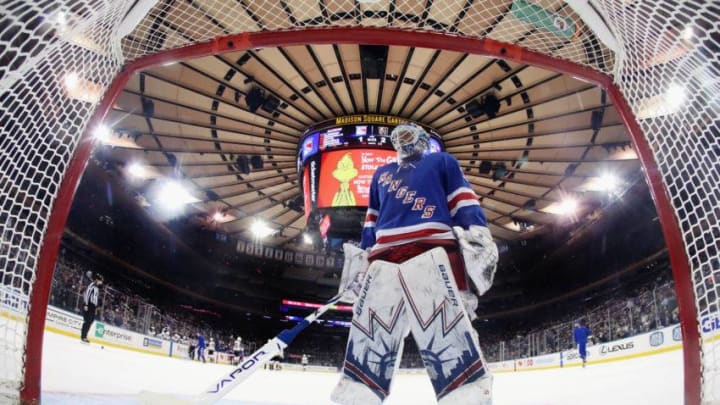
x=120, y=306
x=650, y=305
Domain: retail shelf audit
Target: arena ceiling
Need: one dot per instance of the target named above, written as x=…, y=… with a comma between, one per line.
x=553, y=138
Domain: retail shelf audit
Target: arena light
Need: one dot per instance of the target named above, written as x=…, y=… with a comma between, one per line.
x=62, y=19
x=102, y=133
x=675, y=96
x=260, y=229
x=307, y=239
x=688, y=33
x=609, y=182
x=72, y=81
x=136, y=170
x=566, y=206
x=80, y=89
x=172, y=196
x=663, y=104
x=221, y=217
x=605, y=182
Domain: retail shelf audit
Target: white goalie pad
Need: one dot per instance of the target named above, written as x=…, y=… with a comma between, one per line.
x=480, y=254
x=477, y=393
x=354, y=270
x=439, y=324
x=379, y=327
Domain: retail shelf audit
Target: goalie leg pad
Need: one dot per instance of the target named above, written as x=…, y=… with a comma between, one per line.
x=379, y=327
x=479, y=392
x=350, y=392
x=439, y=324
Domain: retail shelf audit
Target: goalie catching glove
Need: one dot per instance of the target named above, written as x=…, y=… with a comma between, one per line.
x=354, y=270
x=480, y=254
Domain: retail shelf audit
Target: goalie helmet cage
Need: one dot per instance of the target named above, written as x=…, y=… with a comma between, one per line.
x=63, y=63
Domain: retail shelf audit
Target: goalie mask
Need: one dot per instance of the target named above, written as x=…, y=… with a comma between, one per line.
x=409, y=140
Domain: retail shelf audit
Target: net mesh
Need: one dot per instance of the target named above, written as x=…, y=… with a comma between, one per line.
x=670, y=74
x=54, y=63
x=57, y=58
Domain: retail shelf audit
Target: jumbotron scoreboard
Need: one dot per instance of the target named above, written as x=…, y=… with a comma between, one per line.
x=336, y=160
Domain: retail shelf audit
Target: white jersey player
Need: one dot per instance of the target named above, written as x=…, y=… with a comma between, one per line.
x=237, y=350
x=211, y=350
x=425, y=235
x=304, y=361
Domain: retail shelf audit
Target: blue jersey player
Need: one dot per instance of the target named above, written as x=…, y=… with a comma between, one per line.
x=201, y=347
x=425, y=246
x=580, y=335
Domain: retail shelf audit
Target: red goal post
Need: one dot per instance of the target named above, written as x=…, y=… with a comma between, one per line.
x=50, y=212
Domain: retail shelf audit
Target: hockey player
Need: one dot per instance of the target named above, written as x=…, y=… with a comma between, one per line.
x=201, y=347
x=211, y=350
x=277, y=359
x=304, y=361
x=191, y=348
x=580, y=335
x=426, y=235
x=237, y=350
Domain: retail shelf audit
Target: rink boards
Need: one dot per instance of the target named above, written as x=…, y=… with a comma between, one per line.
x=655, y=342
x=126, y=371
x=658, y=341
x=645, y=344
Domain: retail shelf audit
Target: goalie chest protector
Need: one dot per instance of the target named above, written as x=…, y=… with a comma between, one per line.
x=419, y=201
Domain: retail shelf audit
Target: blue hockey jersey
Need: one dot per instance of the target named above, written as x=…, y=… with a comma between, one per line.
x=419, y=201
x=580, y=334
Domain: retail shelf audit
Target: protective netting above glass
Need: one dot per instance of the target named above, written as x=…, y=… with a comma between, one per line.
x=58, y=57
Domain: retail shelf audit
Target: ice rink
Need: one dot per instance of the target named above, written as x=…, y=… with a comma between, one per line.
x=75, y=373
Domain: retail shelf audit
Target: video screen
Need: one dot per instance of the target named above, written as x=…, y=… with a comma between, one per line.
x=336, y=160
x=345, y=176
x=372, y=131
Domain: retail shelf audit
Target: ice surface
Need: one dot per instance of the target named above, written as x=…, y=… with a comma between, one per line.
x=75, y=373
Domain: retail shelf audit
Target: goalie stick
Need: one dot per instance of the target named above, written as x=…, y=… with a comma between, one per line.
x=252, y=363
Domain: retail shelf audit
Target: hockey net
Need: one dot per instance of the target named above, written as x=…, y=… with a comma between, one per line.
x=61, y=65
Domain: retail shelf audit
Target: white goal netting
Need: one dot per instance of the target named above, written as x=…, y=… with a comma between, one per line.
x=58, y=57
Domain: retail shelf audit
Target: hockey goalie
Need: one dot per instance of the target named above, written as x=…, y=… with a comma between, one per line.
x=425, y=256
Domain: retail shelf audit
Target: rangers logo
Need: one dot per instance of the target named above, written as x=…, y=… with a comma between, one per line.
x=309, y=146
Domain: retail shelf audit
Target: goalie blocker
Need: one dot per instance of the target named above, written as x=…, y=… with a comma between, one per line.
x=419, y=296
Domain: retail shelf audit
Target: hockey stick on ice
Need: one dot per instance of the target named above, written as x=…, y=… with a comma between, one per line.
x=242, y=371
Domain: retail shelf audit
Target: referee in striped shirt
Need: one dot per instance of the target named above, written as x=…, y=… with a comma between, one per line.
x=90, y=300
